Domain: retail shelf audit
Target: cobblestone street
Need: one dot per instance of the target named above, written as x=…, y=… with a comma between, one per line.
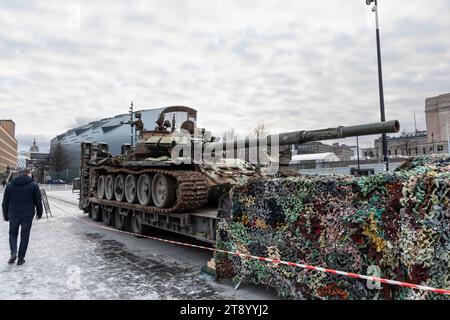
x=70, y=260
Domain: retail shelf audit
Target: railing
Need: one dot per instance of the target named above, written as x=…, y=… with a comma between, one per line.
x=341, y=164
x=50, y=187
x=56, y=187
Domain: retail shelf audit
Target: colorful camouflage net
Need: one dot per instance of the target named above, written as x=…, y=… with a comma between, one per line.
x=395, y=224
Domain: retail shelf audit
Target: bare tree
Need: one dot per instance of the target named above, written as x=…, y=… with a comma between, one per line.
x=229, y=135
x=59, y=159
x=259, y=131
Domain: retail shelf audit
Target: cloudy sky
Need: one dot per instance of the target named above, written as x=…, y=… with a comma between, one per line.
x=290, y=64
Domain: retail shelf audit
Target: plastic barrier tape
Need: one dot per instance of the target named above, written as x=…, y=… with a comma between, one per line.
x=292, y=264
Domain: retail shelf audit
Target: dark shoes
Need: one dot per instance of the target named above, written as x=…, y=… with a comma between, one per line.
x=12, y=259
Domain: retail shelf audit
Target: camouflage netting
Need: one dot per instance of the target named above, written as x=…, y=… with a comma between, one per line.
x=398, y=222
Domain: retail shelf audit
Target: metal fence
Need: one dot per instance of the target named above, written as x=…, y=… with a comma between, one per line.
x=375, y=168
x=49, y=187
x=342, y=164
x=56, y=187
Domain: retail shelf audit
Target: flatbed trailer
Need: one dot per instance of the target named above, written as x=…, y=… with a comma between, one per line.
x=199, y=224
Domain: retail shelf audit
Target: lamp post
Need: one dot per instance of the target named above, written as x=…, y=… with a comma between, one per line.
x=357, y=155
x=448, y=139
x=432, y=140
x=380, y=81
x=131, y=123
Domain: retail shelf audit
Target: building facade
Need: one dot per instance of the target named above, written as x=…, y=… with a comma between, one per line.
x=357, y=153
x=22, y=158
x=34, y=147
x=433, y=140
x=342, y=151
x=113, y=131
x=38, y=163
x=437, y=111
x=312, y=148
x=8, y=145
x=406, y=145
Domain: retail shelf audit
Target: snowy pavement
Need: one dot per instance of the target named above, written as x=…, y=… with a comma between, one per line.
x=67, y=259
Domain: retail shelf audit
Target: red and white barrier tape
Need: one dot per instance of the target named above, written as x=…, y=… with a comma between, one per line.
x=292, y=264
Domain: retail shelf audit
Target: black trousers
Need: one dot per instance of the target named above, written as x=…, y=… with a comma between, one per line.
x=25, y=227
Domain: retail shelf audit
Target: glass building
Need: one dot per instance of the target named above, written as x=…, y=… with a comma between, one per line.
x=115, y=131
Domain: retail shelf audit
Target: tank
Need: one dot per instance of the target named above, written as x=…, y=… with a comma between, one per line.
x=149, y=175
x=167, y=172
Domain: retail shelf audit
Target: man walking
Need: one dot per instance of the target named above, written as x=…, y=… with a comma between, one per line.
x=22, y=196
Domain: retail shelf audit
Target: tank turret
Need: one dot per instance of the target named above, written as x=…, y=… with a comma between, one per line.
x=164, y=139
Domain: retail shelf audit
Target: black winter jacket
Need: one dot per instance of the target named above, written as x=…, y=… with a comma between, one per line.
x=21, y=197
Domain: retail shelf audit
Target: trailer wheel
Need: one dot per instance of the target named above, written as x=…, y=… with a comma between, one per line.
x=119, y=220
x=163, y=191
x=101, y=187
x=109, y=187
x=136, y=224
x=119, y=187
x=96, y=213
x=107, y=215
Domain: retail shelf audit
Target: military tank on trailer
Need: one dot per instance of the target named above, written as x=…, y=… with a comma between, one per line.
x=164, y=182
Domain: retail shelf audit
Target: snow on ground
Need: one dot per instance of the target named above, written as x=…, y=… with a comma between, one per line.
x=67, y=259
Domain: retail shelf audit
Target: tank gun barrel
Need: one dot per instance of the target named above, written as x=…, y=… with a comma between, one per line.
x=300, y=137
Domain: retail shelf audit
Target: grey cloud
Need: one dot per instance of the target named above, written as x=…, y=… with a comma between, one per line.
x=301, y=65
x=81, y=121
x=26, y=140
x=413, y=28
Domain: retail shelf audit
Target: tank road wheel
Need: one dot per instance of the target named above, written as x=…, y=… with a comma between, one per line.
x=120, y=220
x=136, y=224
x=163, y=190
x=96, y=212
x=107, y=215
x=101, y=187
x=119, y=187
x=144, y=189
x=130, y=188
x=109, y=187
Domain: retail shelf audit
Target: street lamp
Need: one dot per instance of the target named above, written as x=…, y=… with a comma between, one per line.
x=357, y=155
x=448, y=139
x=380, y=81
x=130, y=122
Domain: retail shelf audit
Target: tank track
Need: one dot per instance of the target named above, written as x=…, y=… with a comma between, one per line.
x=192, y=190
